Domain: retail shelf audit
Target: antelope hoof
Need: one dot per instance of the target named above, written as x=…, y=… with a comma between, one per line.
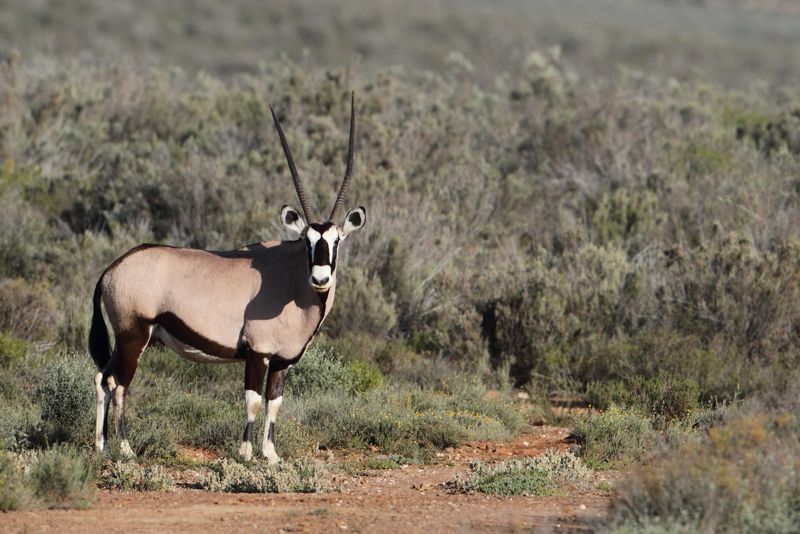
x=125, y=449
x=246, y=450
x=268, y=451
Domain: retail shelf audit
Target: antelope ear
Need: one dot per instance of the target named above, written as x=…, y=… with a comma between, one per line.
x=356, y=218
x=292, y=220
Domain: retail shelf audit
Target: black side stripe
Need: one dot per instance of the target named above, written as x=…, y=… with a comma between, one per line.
x=183, y=333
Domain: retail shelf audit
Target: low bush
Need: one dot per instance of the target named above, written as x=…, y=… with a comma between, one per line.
x=663, y=397
x=154, y=440
x=402, y=419
x=744, y=478
x=15, y=492
x=292, y=439
x=67, y=399
x=129, y=476
x=62, y=478
x=615, y=437
x=323, y=368
x=551, y=473
x=16, y=421
x=169, y=416
x=320, y=370
x=301, y=476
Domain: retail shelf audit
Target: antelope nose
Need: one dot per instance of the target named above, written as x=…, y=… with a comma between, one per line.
x=320, y=281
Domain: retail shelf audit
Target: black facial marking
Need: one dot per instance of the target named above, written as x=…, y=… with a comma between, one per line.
x=335, y=254
x=355, y=219
x=291, y=216
x=321, y=253
x=320, y=256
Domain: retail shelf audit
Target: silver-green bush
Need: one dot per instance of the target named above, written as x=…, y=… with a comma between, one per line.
x=550, y=473
x=129, y=476
x=300, y=476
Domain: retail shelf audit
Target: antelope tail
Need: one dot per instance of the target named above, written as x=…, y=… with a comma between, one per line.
x=99, y=343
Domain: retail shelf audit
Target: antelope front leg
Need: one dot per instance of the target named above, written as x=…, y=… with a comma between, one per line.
x=275, y=377
x=253, y=383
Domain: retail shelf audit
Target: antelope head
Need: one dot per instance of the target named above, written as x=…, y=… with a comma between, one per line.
x=322, y=238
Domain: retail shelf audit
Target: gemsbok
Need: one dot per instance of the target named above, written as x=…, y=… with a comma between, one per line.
x=261, y=305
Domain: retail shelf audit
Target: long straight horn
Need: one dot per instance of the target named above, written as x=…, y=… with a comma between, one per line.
x=337, y=207
x=298, y=185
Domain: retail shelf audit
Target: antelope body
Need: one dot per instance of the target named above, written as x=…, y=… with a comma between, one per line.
x=260, y=305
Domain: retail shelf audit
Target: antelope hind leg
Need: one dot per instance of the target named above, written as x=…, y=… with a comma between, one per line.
x=101, y=423
x=130, y=346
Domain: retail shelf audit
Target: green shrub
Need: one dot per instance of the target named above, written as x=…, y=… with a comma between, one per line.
x=318, y=371
x=292, y=439
x=604, y=394
x=663, y=397
x=551, y=473
x=365, y=376
x=67, y=399
x=11, y=349
x=615, y=437
x=155, y=440
x=626, y=216
x=301, y=476
x=392, y=461
x=323, y=369
x=666, y=396
x=128, y=476
x=16, y=423
x=188, y=417
x=63, y=478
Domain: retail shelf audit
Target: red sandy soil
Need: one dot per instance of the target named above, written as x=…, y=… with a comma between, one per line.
x=411, y=499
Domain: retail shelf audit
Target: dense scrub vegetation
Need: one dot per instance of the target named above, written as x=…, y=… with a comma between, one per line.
x=628, y=240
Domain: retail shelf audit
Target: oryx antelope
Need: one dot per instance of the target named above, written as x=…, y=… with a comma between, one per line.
x=260, y=305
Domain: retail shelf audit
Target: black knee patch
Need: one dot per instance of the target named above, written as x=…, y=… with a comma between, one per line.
x=248, y=432
x=271, y=432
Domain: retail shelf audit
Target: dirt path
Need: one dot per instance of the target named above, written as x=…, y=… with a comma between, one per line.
x=412, y=499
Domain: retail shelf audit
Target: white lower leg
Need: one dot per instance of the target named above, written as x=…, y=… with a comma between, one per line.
x=268, y=445
x=252, y=403
x=119, y=421
x=103, y=398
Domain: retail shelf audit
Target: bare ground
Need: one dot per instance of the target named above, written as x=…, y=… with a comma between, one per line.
x=411, y=499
